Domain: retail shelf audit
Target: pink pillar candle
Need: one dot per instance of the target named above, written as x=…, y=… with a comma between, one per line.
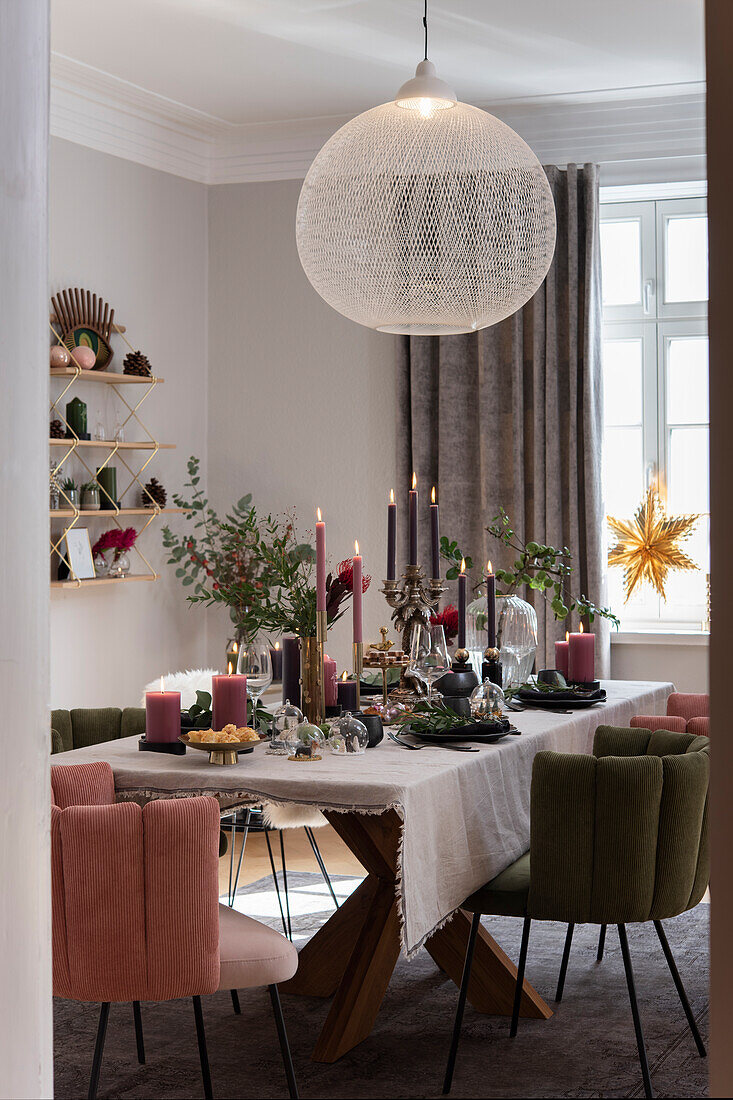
x=162, y=715
x=229, y=701
x=561, y=656
x=581, y=658
x=320, y=563
x=330, y=676
x=357, y=594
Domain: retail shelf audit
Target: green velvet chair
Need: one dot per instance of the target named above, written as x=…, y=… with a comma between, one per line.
x=618, y=837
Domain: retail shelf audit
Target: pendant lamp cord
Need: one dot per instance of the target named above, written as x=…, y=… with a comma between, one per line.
x=425, y=25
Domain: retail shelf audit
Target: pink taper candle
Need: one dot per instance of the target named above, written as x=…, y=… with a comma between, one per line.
x=561, y=656
x=581, y=657
x=162, y=715
x=320, y=563
x=357, y=594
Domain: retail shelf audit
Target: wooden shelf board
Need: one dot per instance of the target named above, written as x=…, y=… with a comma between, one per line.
x=67, y=513
x=105, y=580
x=109, y=444
x=112, y=378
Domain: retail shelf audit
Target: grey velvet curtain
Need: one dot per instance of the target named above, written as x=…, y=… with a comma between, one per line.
x=512, y=416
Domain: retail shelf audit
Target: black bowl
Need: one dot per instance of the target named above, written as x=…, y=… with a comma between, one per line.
x=374, y=727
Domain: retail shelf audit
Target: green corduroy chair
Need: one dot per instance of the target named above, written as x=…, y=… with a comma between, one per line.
x=618, y=837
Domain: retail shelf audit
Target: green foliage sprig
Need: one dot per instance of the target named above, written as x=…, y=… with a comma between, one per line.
x=436, y=718
x=450, y=552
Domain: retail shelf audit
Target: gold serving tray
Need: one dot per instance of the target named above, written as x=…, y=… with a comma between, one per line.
x=221, y=752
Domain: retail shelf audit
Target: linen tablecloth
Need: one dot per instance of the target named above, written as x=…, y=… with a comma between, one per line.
x=465, y=815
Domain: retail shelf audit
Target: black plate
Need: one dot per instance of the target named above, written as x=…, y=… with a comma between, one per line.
x=456, y=736
x=561, y=700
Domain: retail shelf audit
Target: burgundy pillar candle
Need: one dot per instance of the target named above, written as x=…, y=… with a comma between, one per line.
x=412, y=505
x=462, y=581
x=490, y=607
x=391, y=536
x=229, y=701
x=581, y=657
x=330, y=676
x=291, y=670
x=434, y=537
x=320, y=563
x=162, y=715
x=276, y=659
x=357, y=595
x=561, y=656
x=347, y=694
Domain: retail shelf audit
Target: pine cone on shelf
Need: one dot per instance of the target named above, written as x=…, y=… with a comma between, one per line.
x=56, y=430
x=136, y=363
x=155, y=490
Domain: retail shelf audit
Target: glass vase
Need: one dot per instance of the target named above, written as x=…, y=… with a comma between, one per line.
x=120, y=566
x=516, y=637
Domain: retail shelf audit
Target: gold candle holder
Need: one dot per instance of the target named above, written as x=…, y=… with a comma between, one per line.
x=358, y=669
x=312, y=679
x=413, y=600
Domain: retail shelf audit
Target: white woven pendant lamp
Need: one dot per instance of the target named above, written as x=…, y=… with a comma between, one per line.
x=426, y=216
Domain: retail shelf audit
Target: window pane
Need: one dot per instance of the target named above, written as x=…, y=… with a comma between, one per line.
x=687, y=380
x=622, y=381
x=621, y=262
x=623, y=470
x=688, y=470
x=686, y=259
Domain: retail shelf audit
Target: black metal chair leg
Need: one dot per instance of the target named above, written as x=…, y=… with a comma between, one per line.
x=641, y=1046
x=235, y=1001
x=245, y=834
x=139, y=1032
x=98, y=1050
x=274, y=879
x=283, y=1037
x=601, y=943
x=680, y=988
x=285, y=883
x=448, y=1079
x=321, y=864
x=203, y=1053
x=564, y=963
x=232, y=837
x=520, y=977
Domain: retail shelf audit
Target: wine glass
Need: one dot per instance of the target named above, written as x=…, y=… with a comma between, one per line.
x=255, y=663
x=429, y=655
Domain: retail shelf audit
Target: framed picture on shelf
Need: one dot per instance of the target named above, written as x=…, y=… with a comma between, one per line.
x=79, y=553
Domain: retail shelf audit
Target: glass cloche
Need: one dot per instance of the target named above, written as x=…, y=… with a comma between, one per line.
x=487, y=701
x=305, y=742
x=286, y=718
x=348, y=735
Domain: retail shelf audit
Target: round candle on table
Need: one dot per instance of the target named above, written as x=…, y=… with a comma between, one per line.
x=347, y=693
x=229, y=701
x=276, y=659
x=162, y=715
x=581, y=657
x=330, y=677
x=357, y=594
x=434, y=537
x=412, y=504
x=320, y=563
x=391, y=536
x=490, y=607
x=291, y=670
x=561, y=656
x=462, y=581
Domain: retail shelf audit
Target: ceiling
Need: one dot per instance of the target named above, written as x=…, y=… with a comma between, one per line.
x=250, y=61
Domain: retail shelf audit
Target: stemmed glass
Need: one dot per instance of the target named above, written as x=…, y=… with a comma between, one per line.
x=255, y=663
x=429, y=655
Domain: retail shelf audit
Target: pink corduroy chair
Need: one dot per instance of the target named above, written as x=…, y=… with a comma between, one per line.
x=687, y=712
x=136, y=915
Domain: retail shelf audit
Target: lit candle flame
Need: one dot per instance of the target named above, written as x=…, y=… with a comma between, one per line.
x=356, y=547
x=277, y=645
x=581, y=628
x=235, y=648
x=463, y=565
x=391, y=496
x=230, y=669
x=489, y=568
x=344, y=675
x=567, y=635
x=318, y=514
x=432, y=495
x=414, y=480
x=162, y=684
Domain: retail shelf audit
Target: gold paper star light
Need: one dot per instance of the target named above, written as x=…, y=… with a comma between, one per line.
x=647, y=547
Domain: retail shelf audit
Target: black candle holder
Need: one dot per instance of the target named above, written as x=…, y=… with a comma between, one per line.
x=172, y=748
x=491, y=667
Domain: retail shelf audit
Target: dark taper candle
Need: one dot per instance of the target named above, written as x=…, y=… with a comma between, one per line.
x=413, y=521
x=462, y=581
x=490, y=607
x=391, y=536
x=434, y=537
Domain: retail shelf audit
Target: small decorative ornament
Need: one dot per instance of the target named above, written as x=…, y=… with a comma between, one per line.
x=305, y=743
x=136, y=363
x=56, y=429
x=86, y=321
x=59, y=356
x=286, y=720
x=648, y=546
x=348, y=736
x=487, y=701
x=153, y=494
x=83, y=356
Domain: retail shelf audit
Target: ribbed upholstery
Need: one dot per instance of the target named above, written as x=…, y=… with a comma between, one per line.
x=659, y=722
x=699, y=726
x=686, y=711
x=92, y=727
x=82, y=785
x=133, y=722
x=61, y=725
x=688, y=705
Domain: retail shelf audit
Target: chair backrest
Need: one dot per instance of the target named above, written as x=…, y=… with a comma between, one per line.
x=688, y=705
x=622, y=835
x=135, y=892
x=76, y=729
x=659, y=722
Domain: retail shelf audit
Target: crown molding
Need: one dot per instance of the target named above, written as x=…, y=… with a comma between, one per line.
x=636, y=135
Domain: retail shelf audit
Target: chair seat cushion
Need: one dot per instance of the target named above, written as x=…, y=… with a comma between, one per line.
x=251, y=954
x=506, y=895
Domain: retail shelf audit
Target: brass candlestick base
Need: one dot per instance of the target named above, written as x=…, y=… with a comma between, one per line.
x=358, y=669
x=224, y=756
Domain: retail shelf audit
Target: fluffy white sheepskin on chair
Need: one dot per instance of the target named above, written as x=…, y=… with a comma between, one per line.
x=188, y=683
x=292, y=817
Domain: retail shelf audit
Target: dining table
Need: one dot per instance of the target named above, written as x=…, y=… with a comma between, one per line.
x=429, y=828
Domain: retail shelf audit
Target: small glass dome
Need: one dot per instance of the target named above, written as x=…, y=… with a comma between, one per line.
x=487, y=701
x=305, y=742
x=287, y=717
x=348, y=735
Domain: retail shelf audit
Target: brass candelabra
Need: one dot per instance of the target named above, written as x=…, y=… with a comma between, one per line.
x=413, y=600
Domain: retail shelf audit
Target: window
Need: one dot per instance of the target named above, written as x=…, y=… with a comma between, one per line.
x=655, y=376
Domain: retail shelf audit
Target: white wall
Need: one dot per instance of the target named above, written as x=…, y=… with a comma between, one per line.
x=137, y=237
x=683, y=662
x=301, y=400
x=25, y=890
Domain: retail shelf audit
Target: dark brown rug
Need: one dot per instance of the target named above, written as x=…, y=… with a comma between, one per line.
x=587, y=1049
